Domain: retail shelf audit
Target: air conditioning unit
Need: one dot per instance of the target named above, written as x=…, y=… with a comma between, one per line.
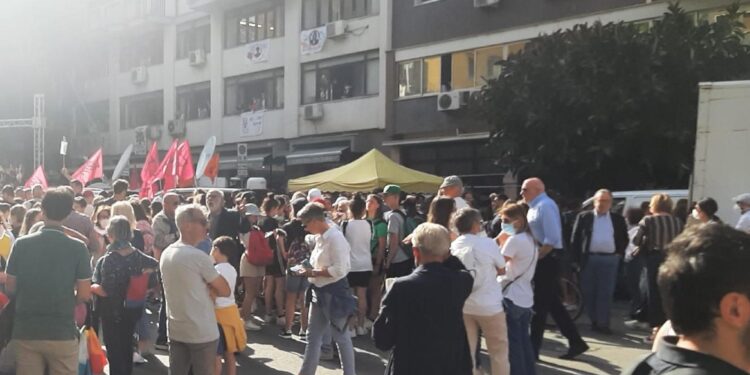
x=485, y=3
x=154, y=132
x=336, y=29
x=176, y=127
x=241, y=152
x=453, y=100
x=197, y=57
x=139, y=74
x=314, y=111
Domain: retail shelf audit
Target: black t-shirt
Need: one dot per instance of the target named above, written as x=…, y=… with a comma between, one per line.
x=671, y=359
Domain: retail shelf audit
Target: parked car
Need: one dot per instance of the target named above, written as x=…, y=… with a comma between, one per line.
x=627, y=199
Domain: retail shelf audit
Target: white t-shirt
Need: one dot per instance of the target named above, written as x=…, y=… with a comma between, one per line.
x=744, y=223
x=230, y=275
x=460, y=203
x=482, y=259
x=331, y=252
x=523, y=253
x=358, y=234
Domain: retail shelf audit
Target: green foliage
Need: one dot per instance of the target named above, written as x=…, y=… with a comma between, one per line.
x=611, y=105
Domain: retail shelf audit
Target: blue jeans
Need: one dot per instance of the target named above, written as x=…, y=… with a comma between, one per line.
x=598, y=281
x=318, y=327
x=520, y=350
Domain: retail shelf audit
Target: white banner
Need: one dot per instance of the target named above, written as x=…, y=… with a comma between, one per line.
x=312, y=41
x=258, y=51
x=251, y=124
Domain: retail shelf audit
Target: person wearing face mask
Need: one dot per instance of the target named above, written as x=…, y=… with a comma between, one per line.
x=705, y=211
x=742, y=203
x=520, y=253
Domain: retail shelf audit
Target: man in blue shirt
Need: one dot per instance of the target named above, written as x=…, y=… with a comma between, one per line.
x=545, y=224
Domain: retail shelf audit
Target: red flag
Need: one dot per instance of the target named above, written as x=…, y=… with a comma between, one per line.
x=150, y=167
x=37, y=178
x=90, y=170
x=212, y=168
x=166, y=169
x=184, y=166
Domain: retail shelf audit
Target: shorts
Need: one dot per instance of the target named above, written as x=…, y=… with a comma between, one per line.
x=359, y=279
x=275, y=269
x=250, y=270
x=296, y=284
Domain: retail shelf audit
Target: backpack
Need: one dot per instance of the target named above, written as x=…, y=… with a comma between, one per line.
x=410, y=223
x=258, y=251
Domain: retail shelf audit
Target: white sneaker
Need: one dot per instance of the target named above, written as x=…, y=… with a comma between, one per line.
x=138, y=359
x=362, y=331
x=352, y=332
x=250, y=326
x=368, y=324
x=281, y=321
x=637, y=325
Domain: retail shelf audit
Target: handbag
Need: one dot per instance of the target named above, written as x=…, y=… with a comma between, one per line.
x=135, y=296
x=97, y=357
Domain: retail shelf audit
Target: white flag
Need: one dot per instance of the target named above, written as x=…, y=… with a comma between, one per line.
x=251, y=123
x=258, y=51
x=313, y=41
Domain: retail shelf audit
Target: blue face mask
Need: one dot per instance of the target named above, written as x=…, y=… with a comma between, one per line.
x=509, y=228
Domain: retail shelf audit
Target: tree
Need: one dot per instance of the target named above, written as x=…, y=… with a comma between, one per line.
x=611, y=104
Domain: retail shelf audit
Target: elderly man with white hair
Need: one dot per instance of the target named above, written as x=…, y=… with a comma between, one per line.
x=189, y=279
x=421, y=317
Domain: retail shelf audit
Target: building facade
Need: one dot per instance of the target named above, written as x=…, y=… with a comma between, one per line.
x=292, y=87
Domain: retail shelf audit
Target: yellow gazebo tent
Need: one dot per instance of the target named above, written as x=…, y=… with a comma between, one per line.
x=372, y=170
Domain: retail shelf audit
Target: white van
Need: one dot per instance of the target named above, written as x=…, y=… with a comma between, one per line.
x=626, y=199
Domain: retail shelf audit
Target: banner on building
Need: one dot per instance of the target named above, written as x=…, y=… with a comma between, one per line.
x=312, y=41
x=252, y=123
x=258, y=51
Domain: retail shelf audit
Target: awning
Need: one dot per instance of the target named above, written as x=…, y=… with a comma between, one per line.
x=254, y=161
x=455, y=138
x=315, y=156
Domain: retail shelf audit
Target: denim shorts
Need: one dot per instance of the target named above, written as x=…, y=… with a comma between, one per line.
x=296, y=284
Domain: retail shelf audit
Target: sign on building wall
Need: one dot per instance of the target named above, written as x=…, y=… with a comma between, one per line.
x=251, y=123
x=258, y=51
x=312, y=41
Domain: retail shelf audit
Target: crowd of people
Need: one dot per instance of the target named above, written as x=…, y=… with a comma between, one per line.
x=425, y=277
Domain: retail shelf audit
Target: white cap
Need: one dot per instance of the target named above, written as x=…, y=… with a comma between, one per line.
x=340, y=200
x=314, y=193
x=742, y=198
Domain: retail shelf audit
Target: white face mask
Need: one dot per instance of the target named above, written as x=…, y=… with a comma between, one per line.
x=104, y=223
x=695, y=214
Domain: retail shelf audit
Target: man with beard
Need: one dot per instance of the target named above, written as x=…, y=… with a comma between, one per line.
x=705, y=288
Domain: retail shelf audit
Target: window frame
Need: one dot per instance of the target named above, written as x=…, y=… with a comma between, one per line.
x=126, y=101
x=271, y=75
x=89, y=107
x=234, y=18
x=136, y=49
x=191, y=30
x=370, y=9
x=315, y=66
x=419, y=3
x=192, y=89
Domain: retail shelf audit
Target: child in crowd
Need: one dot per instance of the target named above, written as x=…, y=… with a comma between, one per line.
x=231, y=327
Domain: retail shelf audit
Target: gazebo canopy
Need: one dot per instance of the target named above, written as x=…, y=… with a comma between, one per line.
x=371, y=171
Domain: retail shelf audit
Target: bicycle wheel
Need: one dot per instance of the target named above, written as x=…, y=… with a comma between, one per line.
x=572, y=300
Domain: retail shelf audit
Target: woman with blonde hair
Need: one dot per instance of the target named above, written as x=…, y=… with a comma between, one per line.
x=654, y=233
x=124, y=208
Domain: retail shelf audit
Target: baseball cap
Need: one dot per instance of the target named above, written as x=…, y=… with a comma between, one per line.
x=252, y=210
x=392, y=189
x=452, y=181
x=742, y=198
x=313, y=194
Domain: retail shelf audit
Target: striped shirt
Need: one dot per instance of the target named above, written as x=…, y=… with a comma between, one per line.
x=656, y=232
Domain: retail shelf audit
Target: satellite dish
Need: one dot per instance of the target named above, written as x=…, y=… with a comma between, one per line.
x=124, y=160
x=206, y=154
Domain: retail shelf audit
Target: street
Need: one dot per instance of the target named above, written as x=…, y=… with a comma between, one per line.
x=268, y=354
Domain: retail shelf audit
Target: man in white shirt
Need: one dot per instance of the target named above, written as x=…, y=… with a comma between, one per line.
x=742, y=202
x=188, y=274
x=453, y=187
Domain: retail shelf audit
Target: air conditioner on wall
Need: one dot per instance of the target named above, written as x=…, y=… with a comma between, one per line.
x=336, y=29
x=314, y=111
x=485, y=3
x=176, y=127
x=197, y=57
x=241, y=152
x=452, y=100
x=139, y=74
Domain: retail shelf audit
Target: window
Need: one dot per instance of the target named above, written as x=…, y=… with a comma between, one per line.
x=140, y=110
x=92, y=117
x=143, y=50
x=192, y=36
x=456, y=71
x=194, y=101
x=320, y=12
x=264, y=90
x=340, y=78
x=250, y=24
